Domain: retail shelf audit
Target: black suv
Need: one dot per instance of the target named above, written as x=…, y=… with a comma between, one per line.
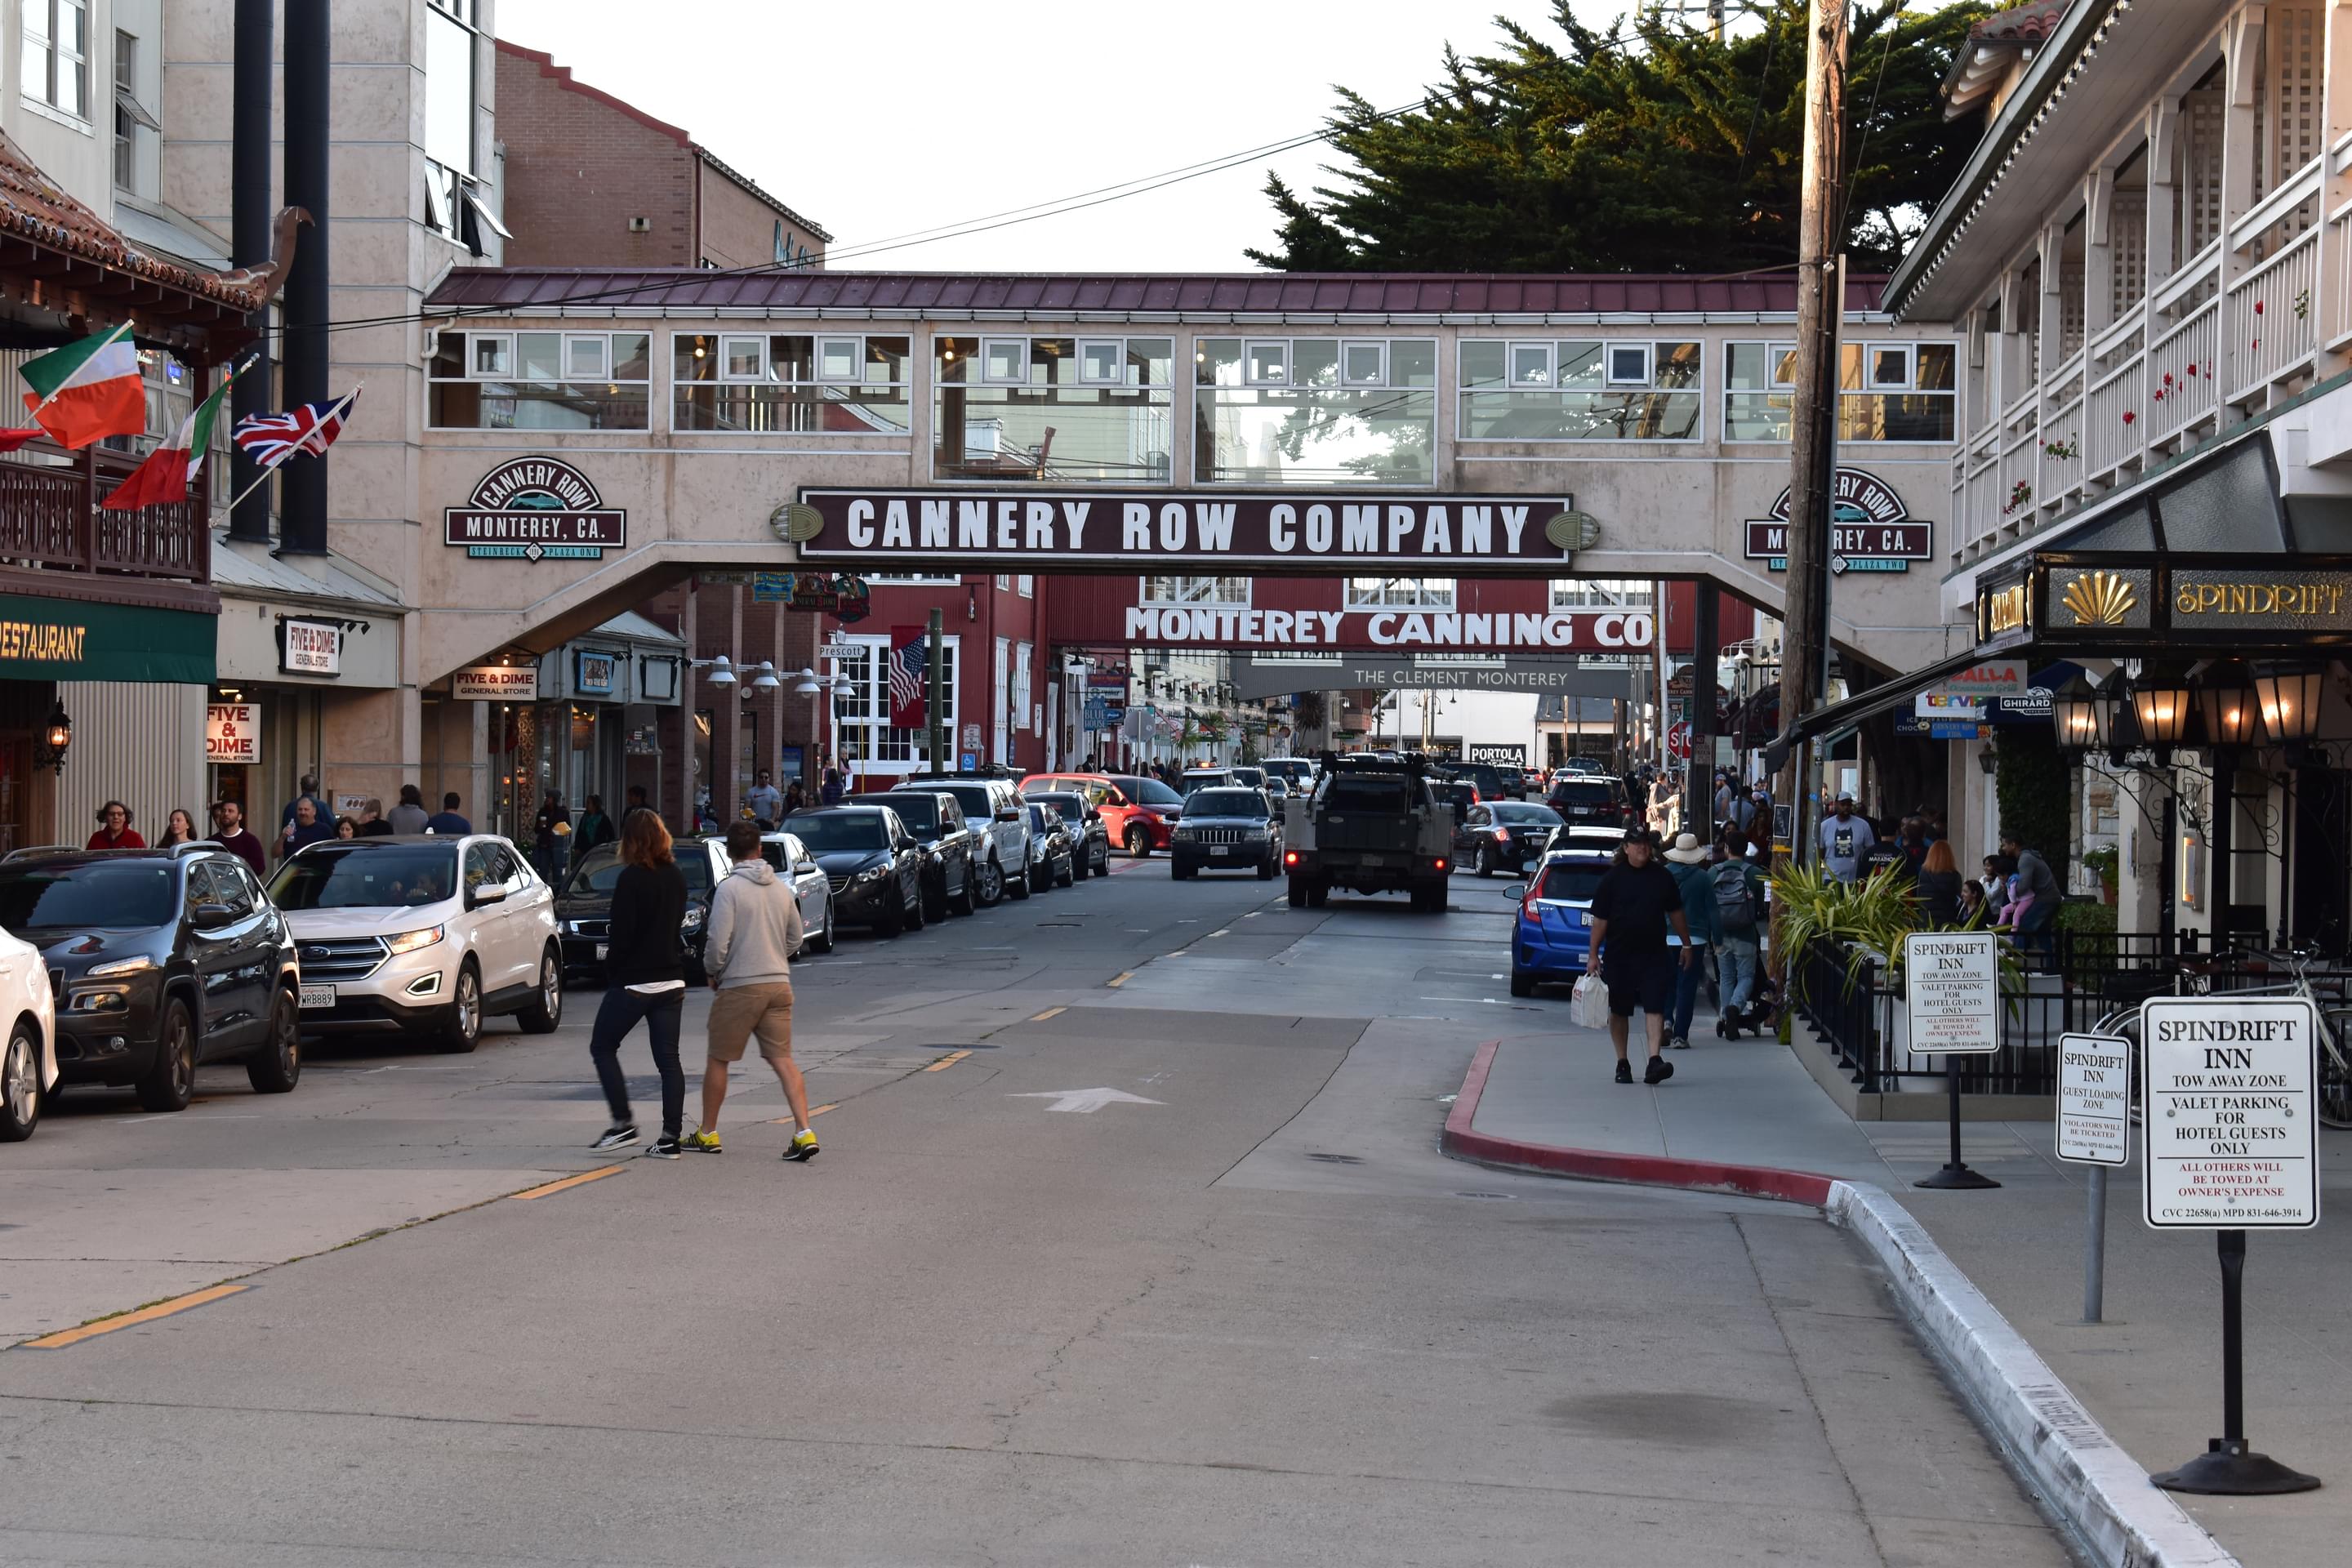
x=162, y=960
x=1086, y=823
x=949, y=846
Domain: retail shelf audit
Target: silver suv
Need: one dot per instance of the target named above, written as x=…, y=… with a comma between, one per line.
x=993, y=809
x=422, y=934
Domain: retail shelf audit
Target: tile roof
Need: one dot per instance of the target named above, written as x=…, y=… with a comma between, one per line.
x=917, y=294
x=35, y=207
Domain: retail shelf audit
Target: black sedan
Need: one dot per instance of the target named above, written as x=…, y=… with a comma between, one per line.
x=583, y=905
x=1227, y=830
x=1086, y=823
x=874, y=862
x=1054, y=843
x=948, y=841
x=1591, y=798
x=1502, y=835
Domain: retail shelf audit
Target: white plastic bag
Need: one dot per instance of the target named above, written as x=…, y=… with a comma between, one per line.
x=1591, y=1002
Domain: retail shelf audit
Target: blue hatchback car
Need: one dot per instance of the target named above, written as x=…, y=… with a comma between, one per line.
x=1552, y=936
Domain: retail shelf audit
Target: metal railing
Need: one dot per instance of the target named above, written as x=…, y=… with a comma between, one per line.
x=51, y=519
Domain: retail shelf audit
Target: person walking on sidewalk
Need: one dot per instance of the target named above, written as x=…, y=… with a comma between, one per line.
x=1687, y=863
x=229, y=816
x=1631, y=910
x=1735, y=889
x=644, y=978
x=753, y=931
x=410, y=816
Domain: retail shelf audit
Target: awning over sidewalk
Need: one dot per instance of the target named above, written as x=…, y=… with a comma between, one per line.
x=1840, y=717
x=74, y=639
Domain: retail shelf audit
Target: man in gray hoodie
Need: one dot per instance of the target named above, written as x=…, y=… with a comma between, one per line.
x=752, y=931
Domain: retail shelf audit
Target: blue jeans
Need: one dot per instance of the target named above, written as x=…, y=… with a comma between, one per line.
x=619, y=1014
x=1688, y=978
x=1734, y=969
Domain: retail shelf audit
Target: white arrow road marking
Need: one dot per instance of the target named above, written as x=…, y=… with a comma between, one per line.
x=1086, y=1102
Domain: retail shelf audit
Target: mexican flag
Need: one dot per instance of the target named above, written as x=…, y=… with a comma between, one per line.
x=88, y=390
x=163, y=477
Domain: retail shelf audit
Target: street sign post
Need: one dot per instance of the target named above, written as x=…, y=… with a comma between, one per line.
x=2094, y=1129
x=2229, y=1144
x=1951, y=1006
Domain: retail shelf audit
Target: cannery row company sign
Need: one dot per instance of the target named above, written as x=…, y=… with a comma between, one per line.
x=2136, y=600
x=535, y=508
x=1871, y=529
x=1458, y=535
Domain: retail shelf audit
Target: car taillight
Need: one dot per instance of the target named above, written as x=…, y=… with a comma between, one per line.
x=1527, y=910
x=1440, y=863
x=1475, y=797
x=1502, y=835
x=1290, y=857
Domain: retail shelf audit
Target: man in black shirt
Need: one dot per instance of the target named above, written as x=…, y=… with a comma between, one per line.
x=1631, y=910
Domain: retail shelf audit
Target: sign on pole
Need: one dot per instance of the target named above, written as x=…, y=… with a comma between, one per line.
x=2227, y=1100
x=232, y=732
x=1951, y=990
x=2093, y=1100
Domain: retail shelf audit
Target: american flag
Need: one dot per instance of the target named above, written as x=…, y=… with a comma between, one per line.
x=271, y=438
x=909, y=663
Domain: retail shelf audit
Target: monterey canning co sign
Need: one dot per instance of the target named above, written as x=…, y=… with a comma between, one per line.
x=1313, y=531
x=536, y=508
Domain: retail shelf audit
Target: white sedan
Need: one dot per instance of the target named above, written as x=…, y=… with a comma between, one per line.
x=28, y=1062
x=811, y=886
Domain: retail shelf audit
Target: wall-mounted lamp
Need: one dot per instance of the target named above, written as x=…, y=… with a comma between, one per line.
x=56, y=738
x=972, y=604
x=764, y=677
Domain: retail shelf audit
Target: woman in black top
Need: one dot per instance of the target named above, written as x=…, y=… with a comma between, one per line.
x=644, y=978
x=1938, y=891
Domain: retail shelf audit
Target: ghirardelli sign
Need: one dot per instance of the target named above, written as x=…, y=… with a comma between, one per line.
x=1871, y=529
x=534, y=508
x=1455, y=535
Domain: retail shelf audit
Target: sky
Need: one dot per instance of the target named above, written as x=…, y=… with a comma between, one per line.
x=877, y=119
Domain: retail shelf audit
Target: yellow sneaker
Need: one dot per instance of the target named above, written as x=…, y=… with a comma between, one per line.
x=803, y=1146
x=700, y=1142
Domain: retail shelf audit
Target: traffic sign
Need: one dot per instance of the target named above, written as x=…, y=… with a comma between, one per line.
x=1951, y=990
x=841, y=650
x=2231, y=1142
x=1678, y=741
x=2093, y=1100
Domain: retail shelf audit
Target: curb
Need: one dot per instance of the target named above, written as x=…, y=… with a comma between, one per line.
x=2098, y=1493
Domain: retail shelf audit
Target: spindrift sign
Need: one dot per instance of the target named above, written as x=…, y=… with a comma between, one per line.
x=1458, y=535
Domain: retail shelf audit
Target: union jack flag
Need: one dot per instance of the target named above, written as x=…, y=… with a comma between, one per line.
x=271, y=438
x=910, y=664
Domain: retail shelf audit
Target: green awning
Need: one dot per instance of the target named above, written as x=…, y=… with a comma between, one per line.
x=70, y=639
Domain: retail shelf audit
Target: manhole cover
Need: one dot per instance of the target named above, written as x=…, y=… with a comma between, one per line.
x=1339, y=1159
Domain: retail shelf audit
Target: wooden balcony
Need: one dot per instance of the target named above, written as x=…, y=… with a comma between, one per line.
x=50, y=524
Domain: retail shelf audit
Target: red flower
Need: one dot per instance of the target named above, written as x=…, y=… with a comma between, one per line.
x=2258, y=342
x=2167, y=378
x=2158, y=395
x=2258, y=306
x=2193, y=369
x=2129, y=416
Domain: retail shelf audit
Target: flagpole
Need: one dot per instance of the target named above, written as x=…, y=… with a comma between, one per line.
x=262, y=478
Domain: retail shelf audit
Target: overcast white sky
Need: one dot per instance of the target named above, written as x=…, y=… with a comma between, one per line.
x=879, y=117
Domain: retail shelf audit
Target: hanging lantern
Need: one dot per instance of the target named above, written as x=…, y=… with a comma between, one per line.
x=2225, y=696
x=2288, y=697
x=2160, y=702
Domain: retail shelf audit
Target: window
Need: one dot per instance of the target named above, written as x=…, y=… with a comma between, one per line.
x=1315, y=411
x=1400, y=593
x=1579, y=390
x=1074, y=410
x=1599, y=594
x=130, y=116
x=1000, y=689
x=862, y=714
x=1025, y=585
x=55, y=67
x=1887, y=392
x=541, y=380
x=1196, y=590
x=766, y=385
x=1021, y=686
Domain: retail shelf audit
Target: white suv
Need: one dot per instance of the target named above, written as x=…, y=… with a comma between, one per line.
x=420, y=934
x=994, y=810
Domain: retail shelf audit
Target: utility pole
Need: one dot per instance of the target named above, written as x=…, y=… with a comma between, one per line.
x=1715, y=19
x=1813, y=458
x=934, y=707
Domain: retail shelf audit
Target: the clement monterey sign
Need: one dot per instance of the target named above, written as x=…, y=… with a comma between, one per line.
x=1458, y=535
x=535, y=508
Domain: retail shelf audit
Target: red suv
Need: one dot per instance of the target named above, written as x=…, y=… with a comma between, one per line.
x=1140, y=813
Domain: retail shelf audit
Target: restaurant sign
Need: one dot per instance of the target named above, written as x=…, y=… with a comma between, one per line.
x=536, y=508
x=1871, y=529
x=1459, y=535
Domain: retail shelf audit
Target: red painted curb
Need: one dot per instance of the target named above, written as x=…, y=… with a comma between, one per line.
x=1600, y=1165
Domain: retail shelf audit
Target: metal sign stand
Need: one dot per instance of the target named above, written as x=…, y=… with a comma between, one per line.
x=1955, y=1176
x=2228, y=1467
x=2095, y=1131
x=2094, y=1248
x=1951, y=1001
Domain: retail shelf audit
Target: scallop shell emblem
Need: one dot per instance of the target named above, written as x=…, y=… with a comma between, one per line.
x=797, y=524
x=2100, y=599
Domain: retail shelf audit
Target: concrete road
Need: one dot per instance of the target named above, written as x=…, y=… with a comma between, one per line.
x=1247, y=1315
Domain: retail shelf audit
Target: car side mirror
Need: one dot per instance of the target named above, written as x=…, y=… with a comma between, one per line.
x=487, y=893
x=909, y=844
x=211, y=917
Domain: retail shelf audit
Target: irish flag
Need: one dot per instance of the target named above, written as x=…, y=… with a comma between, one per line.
x=88, y=390
x=163, y=477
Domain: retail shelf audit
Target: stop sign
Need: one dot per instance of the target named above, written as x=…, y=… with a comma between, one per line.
x=1678, y=741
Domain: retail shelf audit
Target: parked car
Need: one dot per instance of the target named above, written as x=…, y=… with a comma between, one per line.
x=1552, y=936
x=874, y=862
x=1277, y=790
x=812, y=888
x=1582, y=765
x=583, y=905
x=1227, y=829
x=1140, y=813
x=1198, y=779
x=424, y=935
x=158, y=961
x=1248, y=778
x=1298, y=773
x=1602, y=837
x=1592, y=798
x=28, y=1062
x=1054, y=848
x=1086, y=822
x=1484, y=775
x=1502, y=835
x=949, y=842
x=993, y=807
x=1458, y=796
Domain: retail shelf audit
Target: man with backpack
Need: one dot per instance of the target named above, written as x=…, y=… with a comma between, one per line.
x=1736, y=890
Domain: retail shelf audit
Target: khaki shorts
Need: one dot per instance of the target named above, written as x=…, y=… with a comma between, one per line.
x=738, y=1012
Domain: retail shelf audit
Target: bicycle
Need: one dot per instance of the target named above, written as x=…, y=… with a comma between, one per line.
x=2333, y=1007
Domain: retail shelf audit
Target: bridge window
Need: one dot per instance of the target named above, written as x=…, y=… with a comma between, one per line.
x=1076, y=410
x=1888, y=392
x=1580, y=390
x=1400, y=593
x=1315, y=411
x=1600, y=593
x=863, y=711
x=757, y=384
x=1234, y=591
x=541, y=380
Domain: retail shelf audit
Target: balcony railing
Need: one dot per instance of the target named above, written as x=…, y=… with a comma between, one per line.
x=49, y=519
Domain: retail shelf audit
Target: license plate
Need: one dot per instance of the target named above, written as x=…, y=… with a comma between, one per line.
x=1221, y=849
x=318, y=995
x=602, y=949
x=1375, y=859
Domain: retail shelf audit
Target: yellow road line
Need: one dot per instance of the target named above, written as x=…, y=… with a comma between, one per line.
x=946, y=1061
x=1048, y=1013
x=1124, y=976
x=814, y=1111
x=60, y=1340
x=598, y=1174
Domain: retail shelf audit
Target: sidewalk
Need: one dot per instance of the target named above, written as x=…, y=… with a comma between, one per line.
x=2150, y=1374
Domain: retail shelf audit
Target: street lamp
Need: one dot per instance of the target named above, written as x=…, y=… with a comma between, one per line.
x=2226, y=694
x=722, y=670
x=2078, y=712
x=2289, y=700
x=808, y=685
x=764, y=679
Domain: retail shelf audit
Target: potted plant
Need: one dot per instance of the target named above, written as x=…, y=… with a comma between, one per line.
x=2105, y=864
